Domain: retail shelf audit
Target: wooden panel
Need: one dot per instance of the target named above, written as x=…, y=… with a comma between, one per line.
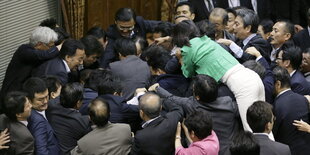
x=101, y=12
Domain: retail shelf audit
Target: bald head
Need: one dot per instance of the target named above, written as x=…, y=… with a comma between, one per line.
x=99, y=112
x=150, y=105
x=221, y=13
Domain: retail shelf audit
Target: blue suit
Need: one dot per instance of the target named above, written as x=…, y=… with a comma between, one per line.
x=45, y=139
x=268, y=80
x=299, y=84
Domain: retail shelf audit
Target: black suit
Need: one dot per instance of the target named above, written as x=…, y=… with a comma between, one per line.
x=290, y=106
x=54, y=67
x=269, y=147
x=158, y=137
x=24, y=60
x=260, y=44
x=69, y=125
x=286, y=9
x=302, y=39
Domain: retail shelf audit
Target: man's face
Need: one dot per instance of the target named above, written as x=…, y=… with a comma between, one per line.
x=89, y=60
x=39, y=102
x=230, y=23
x=240, y=31
x=75, y=60
x=125, y=27
x=27, y=110
x=278, y=36
x=261, y=32
x=305, y=65
x=218, y=22
x=185, y=11
x=279, y=60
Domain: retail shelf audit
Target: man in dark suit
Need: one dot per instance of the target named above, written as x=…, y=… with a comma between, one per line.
x=17, y=110
x=158, y=134
x=305, y=65
x=302, y=38
x=245, y=28
x=133, y=72
x=289, y=106
x=46, y=142
x=68, y=123
x=27, y=57
x=261, y=120
x=106, y=138
x=71, y=56
x=127, y=25
x=290, y=59
x=224, y=111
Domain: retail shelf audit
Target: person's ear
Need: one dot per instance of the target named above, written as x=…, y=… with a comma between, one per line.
x=248, y=28
x=192, y=16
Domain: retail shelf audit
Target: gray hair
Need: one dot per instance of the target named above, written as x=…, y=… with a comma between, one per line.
x=42, y=34
x=249, y=17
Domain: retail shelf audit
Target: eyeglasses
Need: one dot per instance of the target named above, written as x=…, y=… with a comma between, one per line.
x=125, y=28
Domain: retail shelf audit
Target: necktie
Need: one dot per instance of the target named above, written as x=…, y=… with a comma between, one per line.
x=210, y=7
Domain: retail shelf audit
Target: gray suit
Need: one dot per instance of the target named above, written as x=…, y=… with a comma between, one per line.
x=133, y=72
x=269, y=147
x=111, y=139
x=22, y=142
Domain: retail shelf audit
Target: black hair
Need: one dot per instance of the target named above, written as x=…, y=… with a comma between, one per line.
x=97, y=32
x=249, y=18
x=258, y=115
x=110, y=85
x=153, y=109
x=99, y=112
x=142, y=42
x=282, y=75
x=231, y=10
x=244, y=143
x=34, y=85
x=267, y=25
x=95, y=77
x=205, y=87
x=293, y=54
x=14, y=103
x=307, y=51
x=288, y=26
x=84, y=75
x=157, y=57
x=164, y=28
x=191, y=8
x=206, y=28
x=69, y=48
x=125, y=14
x=125, y=46
x=52, y=84
x=62, y=35
x=200, y=122
x=71, y=94
x=50, y=22
x=92, y=45
x=256, y=67
x=183, y=32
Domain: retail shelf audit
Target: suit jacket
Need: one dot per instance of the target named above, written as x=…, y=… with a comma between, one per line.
x=110, y=139
x=133, y=72
x=224, y=112
x=286, y=9
x=24, y=60
x=290, y=106
x=45, y=139
x=261, y=45
x=268, y=80
x=302, y=39
x=69, y=125
x=157, y=137
x=299, y=84
x=269, y=147
x=22, y=142
x=141, y=28
x=54, y=67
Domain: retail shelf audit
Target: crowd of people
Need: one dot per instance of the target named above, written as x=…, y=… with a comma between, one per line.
x=226, y=82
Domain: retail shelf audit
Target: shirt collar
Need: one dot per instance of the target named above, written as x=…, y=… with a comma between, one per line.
x=149, y=121
x=246, y=40
x=66, y=66
x=283, y=92
x=24, y=122
x=291, y=74
x=42, y=113
x=266, y=134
